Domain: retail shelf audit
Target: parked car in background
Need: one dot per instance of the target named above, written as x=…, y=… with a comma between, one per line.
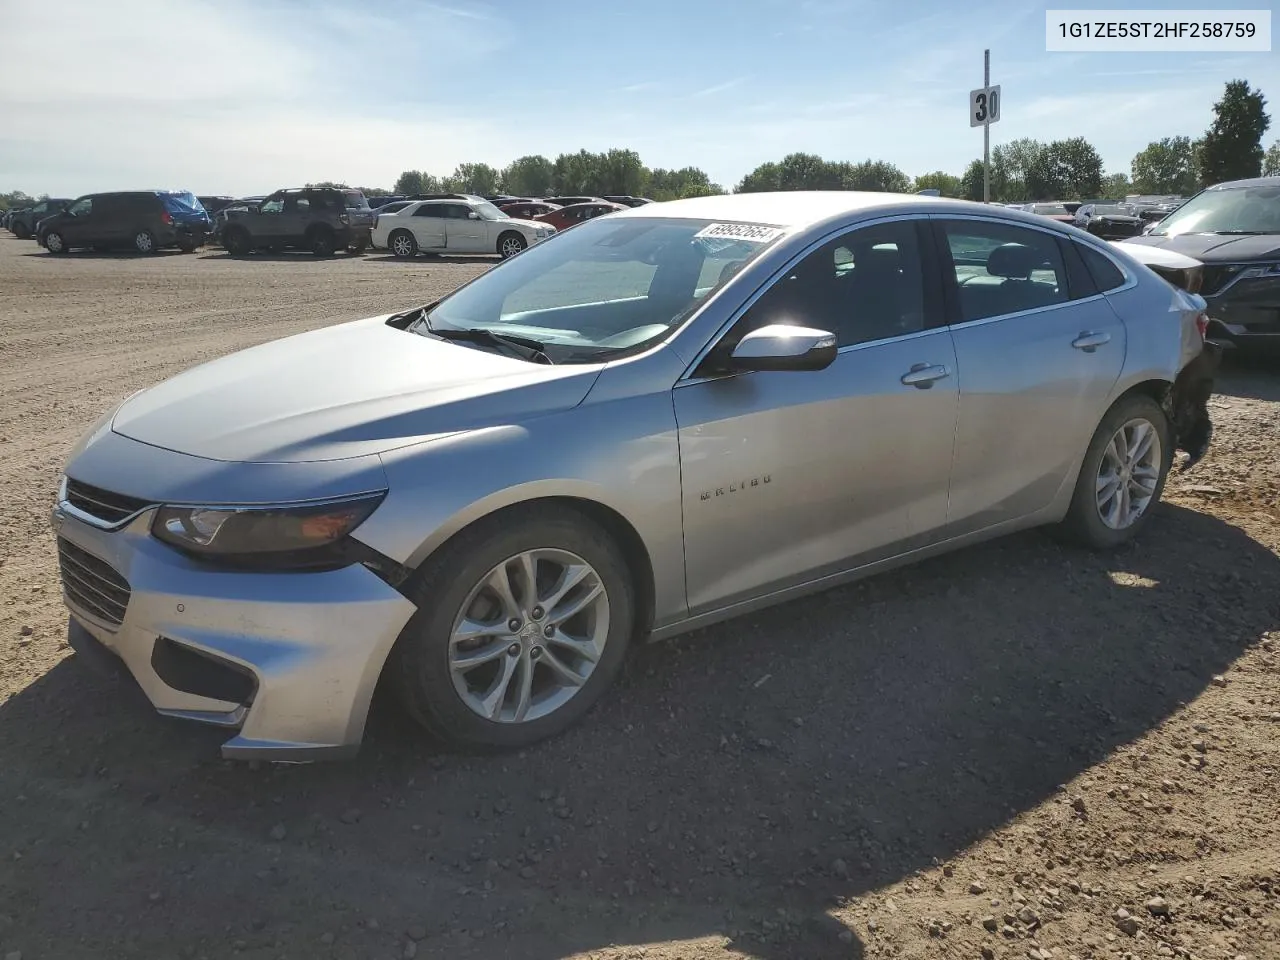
x=213, y=204
x=455, y=226
x=390, y=207
x=24, y=224
x=628, y=201
x=472, y=505
x=1054, y=211
x=1110, y=221
x=376, y=202
x=319, y=219
x=220, y=218
x=576, y=213
x=569, y=201
x=527, y=209
x=140, y=220
x=1234, y=230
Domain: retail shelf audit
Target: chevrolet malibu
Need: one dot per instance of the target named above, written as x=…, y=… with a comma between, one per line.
x=658, y=420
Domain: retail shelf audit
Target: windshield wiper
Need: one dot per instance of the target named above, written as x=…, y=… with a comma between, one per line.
x=526, y=348
x=1243, y=233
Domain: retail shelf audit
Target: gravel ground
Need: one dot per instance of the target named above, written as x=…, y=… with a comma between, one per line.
x=1016, y=751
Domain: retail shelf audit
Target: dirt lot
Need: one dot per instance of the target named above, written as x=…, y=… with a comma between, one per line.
x=989, y=755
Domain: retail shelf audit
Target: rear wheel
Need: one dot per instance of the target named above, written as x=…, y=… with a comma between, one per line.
x=511, y=243
x=1122, y=475
x=54, y=242
x=20, y=230
x=144, y=241
x=320, y=242
x=522, y=624
x=402, y=244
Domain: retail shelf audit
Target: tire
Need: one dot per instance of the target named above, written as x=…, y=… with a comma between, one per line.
x=1090, y=522
x=402, y=244
x=421, y=664
x=144, y=241
x=186, y=245
x=20, y=230
x=55, y=242
x=511, y=243
x=235, y=240
x=359, y=247
x=320, y=242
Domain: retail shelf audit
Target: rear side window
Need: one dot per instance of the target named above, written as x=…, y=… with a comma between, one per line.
x=186, y=203
x=355, y=200
x=430, y=210
x=1002, y=269
x=1105, y=273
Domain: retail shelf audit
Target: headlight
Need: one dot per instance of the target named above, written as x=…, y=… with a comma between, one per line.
x=286, y=536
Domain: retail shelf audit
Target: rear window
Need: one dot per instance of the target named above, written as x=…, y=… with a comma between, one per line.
x=1105, y=273
x=355, y=200
x=182, y=203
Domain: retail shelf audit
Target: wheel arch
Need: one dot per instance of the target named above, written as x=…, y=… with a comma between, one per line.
x=614, y=523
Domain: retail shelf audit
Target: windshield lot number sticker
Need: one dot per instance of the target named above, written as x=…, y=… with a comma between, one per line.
x=750, y=232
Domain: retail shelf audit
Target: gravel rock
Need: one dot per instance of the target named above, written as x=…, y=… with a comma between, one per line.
x=1125, y=922
x=327, y=938
x=977, y=888
x=417, y=932
x=1157, y=907
x=278, y=832
x=840, y=869
x=990, y=923
x=351, y=815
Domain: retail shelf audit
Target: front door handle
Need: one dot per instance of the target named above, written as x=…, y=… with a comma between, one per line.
x=923, y=375
x=1090, y=341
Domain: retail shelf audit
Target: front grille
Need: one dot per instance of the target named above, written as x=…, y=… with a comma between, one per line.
x=103, y=504
x=1217, y=276
x=92, y=584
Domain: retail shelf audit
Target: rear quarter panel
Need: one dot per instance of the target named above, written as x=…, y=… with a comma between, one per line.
x=1159, y=327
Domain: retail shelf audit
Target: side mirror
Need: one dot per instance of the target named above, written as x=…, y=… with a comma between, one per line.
x=473, y=215
x=780, y=347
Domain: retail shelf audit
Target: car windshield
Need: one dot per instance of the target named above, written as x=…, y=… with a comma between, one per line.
x=1110, y=210
x=488, y=211
x=1237, y=210
x=607, y=286
x=1049, y=209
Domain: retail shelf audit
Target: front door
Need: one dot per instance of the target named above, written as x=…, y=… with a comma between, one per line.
x=428, y=226
x=466, y=233
x=1036, y=369
x=75, y=224
x=790, y=476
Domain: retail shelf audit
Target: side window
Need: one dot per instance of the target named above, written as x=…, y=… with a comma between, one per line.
x=1105, y=273
x=1002, y=269
x=273, y=204
x=81, y=208
x=429, y=210
x=866, y=285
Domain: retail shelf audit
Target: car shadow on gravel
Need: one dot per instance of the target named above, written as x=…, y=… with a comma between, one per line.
x=378, y=256
x=105, y=254
x=737, y=783
x=1250, y=377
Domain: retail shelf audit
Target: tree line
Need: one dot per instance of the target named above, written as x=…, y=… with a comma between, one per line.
x=1021, y=170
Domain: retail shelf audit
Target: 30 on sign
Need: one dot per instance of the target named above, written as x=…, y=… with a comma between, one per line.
x=1153, y=31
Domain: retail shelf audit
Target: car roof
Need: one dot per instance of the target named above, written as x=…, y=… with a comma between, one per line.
x=1251, y=182
x=794, y=209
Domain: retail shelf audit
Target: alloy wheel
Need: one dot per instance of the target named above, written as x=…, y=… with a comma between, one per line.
x=1129, y=473
x=511, y=246
x=401, y=245
x=53, y=243
x=528, y=636
x=143, y=242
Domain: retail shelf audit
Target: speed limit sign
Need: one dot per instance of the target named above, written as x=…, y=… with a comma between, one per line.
x=984, y=106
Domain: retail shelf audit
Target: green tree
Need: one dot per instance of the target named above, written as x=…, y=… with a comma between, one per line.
x=1232, y=148
x=479, y=178
x=971, y=182
x=528, y=176
x=678, y=184
x=946, y=184
x=15, y=200
x=619, y=172
x=764, y=178
x=573, y=173
x=1271, y=162
x=876, y=175
x=1065, y=170
x=1010, y=165
x=1116, y=186
x=409, y=183
x=1166, y=166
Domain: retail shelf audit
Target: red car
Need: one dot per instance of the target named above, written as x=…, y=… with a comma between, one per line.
x=566, y=217
x=527, y=209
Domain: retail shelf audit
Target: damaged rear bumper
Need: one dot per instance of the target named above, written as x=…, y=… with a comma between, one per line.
x=1188, y=404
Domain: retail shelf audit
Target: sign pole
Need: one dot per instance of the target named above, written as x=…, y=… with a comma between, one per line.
x=986, y=133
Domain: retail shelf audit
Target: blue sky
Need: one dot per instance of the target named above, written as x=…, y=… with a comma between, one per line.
x=242, y=96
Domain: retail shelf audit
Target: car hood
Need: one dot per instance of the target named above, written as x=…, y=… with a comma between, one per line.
x=343, y=391
x=1215, y=247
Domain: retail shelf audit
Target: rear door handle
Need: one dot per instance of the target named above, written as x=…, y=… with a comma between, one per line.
x=923, y=375
x=1089, y=342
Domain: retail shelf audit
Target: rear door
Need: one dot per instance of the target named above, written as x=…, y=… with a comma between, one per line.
x=1037, y=361
x=427, y=224
x=465, y=232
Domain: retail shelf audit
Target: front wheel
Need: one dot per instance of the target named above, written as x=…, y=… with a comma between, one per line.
x=509, y=244
x=523, y=622
x=402, y=244
x=321, y=243
x=54, y=242
x=144, y=242
x=1122, y=475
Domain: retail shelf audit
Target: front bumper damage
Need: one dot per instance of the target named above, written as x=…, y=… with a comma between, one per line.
x=288, y=661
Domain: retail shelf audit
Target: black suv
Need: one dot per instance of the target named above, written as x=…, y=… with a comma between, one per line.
x=24, y=222
x=1234, y=230
x=319, y=219
x=141, y=220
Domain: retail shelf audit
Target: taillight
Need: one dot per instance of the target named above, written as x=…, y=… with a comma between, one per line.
x=1202, y=323
x=166, y=216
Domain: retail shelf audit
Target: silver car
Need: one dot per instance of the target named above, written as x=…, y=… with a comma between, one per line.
x=660, y=419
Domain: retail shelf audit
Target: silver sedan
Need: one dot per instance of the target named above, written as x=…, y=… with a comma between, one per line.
x=660, y=419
